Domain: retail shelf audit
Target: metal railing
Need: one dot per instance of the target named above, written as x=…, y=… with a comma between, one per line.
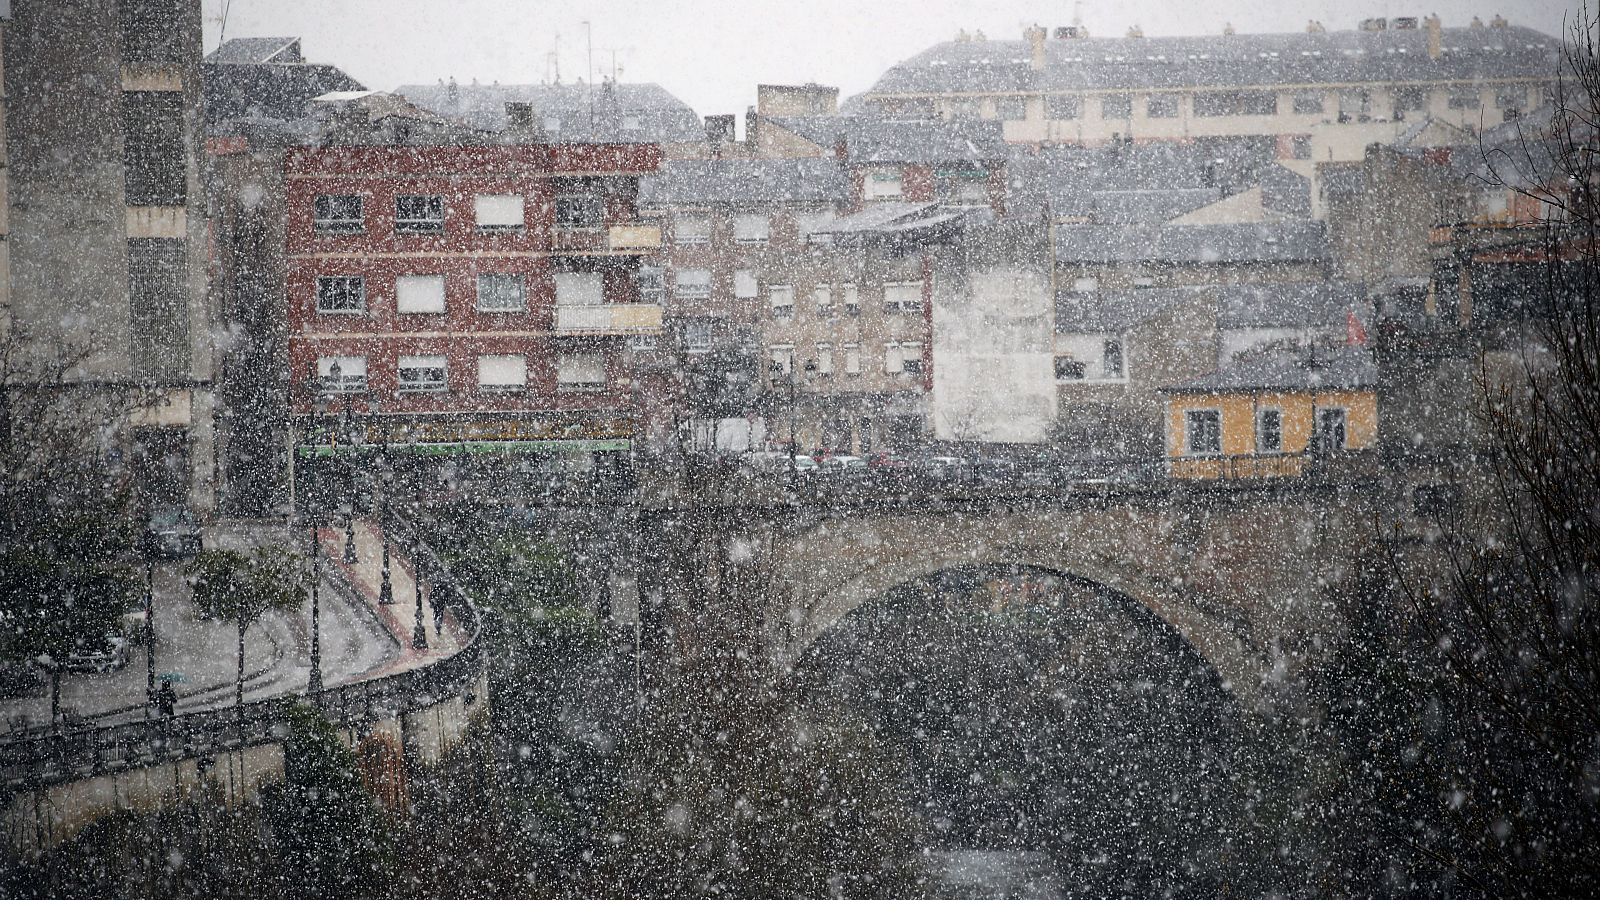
x=87, y=750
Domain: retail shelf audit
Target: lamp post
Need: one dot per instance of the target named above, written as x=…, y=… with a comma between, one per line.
x=343, y=425
x=386, y=478
x=149, y=628
x=419, y=631
x=314, y=677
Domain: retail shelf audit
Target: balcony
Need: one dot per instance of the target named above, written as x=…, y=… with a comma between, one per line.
x=609, y=318
x=630, y=239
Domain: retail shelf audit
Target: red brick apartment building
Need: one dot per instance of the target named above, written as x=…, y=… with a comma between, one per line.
x=471, y=297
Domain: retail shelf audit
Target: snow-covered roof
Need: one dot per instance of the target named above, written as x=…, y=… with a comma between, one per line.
x=743, y=182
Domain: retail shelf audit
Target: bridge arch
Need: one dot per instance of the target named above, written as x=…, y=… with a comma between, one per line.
x=831, y=571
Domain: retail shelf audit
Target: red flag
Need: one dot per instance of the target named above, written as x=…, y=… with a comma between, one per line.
x=1354, y=333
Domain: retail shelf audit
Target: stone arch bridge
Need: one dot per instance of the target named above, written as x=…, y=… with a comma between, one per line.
x=1252, y=576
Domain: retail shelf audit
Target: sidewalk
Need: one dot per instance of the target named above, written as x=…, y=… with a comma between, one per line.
x=399, y=617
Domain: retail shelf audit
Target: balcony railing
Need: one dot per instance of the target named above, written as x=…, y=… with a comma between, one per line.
x=608, y=239
x=1336, y=464
x=609, y=318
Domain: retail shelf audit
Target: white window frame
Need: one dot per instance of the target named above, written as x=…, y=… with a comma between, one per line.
x=567, y=363
x=492, y=212
x=884, y=184
x=852, y=359
x=852, y=298
x=895, y=299
x=1189, y=431
x=417, y=225
x=692, y=288
x=1317, y=442
x=589, y=199
x=1087, y=284
x=783, y=356
x=911, y=358
x=746, y=286
x=580, y=288
x=780, y=297
x=697, y=337
x=361, y=291
x=421, y=293
x=824, y=358
x=752, y=228
x=822, y=295
x=491, y=363
x=420, y=363
x=520, y=280
x=1122, y=357
x=683, y=234
x=352, y=374
x=325, y=222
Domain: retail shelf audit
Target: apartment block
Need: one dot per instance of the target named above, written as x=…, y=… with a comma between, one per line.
x=105, y=222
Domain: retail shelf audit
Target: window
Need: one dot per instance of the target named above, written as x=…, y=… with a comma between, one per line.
x=1330, y=436
x=1464, y=98
x=780, y=361
x=338, y=214
x=824, y=359
x=341, y=294
x=1307, y=103
x=811, y=225
x=581, y=372
x=503, y=372
x=1409, y=100
x=580, y=211
x=1202, y=431
x=1510, y=100
x=652, y=284
x=498, y=212
x=823, y=295
x=579, y=289
x=697, y=337
x=1120, y=107
x=1161, y=106
x=419, y=294
x=1062, y=106
x=1435, y=501
x=352, y=374
x=1085, y=285
x=155, y=167
x=151, y=31
x=1300, y=146
x=694, y=283
x=745, y=286
x=691, y=229
x=1111, y=359
x=1069, y=369
x=1010, y=109
x=1355, y=106
x=422, y=373
x=158, y=303
x=902, y=358
x=902, y=296
x=852, y=359
x=781, y=297
x=852, y=300
x=641, y=342
x=751, y=229
x=964, y=109
x=419, y=214
x=499, y=292
x=1235, y=103
x=1143, y=281
x=883, y=185
x=1269, y=430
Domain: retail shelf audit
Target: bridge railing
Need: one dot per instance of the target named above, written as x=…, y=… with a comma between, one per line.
x=85, y=751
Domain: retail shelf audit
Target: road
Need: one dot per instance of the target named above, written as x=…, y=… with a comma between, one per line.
x=203, y=655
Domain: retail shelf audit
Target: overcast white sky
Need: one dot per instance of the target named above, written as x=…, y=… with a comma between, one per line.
x=712, y=54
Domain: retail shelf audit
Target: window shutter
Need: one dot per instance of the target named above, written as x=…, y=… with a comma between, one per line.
x=745, y=285
x=503, y=371
x=419, y=294
x=893, y=364
x=498, y=210
x=579, y=289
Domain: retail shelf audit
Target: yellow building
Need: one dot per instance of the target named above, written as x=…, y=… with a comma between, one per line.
x=1273, y=416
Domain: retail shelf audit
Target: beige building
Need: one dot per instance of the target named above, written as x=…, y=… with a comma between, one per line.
x=104, y=248
x=1324, y=94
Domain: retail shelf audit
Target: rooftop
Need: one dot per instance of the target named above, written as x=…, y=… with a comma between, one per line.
x=1346, y=369
x=1297, y=241
x=1224, y=60
x=606, y=113
x=744, y=182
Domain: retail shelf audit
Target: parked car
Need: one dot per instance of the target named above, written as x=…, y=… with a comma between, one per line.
x=803, y=465
x=110, y=653
x=946, y=468
x=844, y=464
x=171, y=531
x=884, y=461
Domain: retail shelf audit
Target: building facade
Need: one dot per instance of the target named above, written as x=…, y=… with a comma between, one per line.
x=469, y=298
x=103, y=255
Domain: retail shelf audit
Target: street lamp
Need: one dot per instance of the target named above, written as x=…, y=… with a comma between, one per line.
x=810, y=366
x=314, y=678
x=419, y=631
x=344, y=425
x=386, y=478
x=149, y=626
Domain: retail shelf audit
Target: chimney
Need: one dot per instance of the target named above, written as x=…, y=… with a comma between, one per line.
x=1314, y=27
x=1499, y=21
x=720, y=130
x=1227, y=28
x=1035, y=37
x=1435, y=39
x=1136, y=32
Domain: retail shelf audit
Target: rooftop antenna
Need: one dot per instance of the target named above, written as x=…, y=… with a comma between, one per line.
x=1077, y=14
x=588, y=34
x=555, y=58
